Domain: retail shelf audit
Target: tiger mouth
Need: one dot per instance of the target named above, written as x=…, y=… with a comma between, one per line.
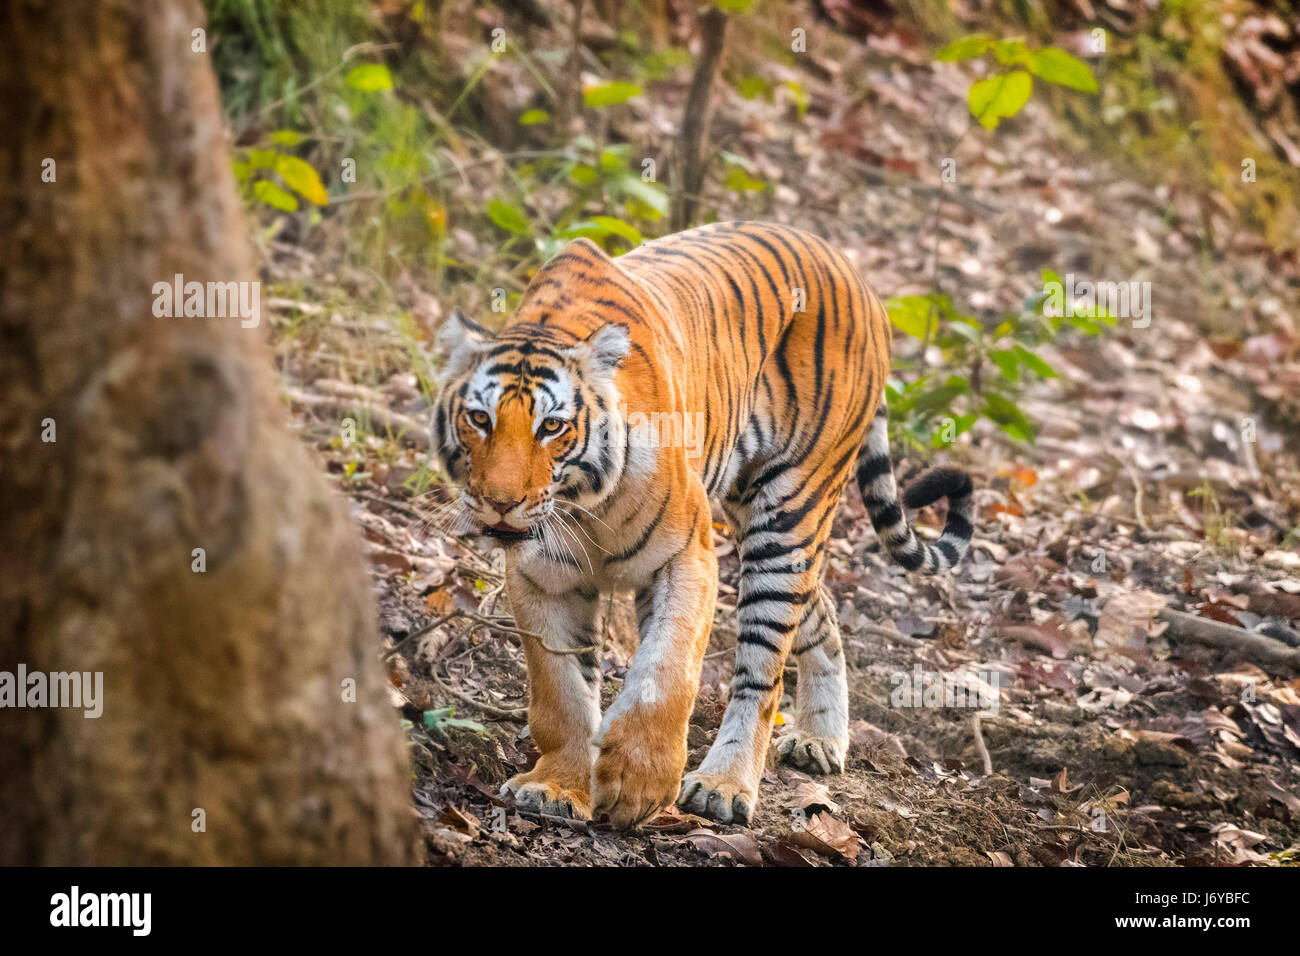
x=505, y=532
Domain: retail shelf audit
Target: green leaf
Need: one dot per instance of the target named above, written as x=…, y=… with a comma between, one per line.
x=910, y=314
x=442, y=718
x=465, y=724
x=533, y=117
x=1057, y=66
x=618, y=227
x=970, y=331
x=961, y=423
x=753, y=86
x=800, y=97
x=646, y=193
x=584, y=175
x=965, y=48
x=370, y=78
x=287, y=137
x=735, y=159
x=598, y=227
x=1006, y=362
x=509, y=217
x=734, y=6
x=939, y=398
x=302, y=179
x=548, y=246
x=1034, y=363
x=613, y=159
x=1008, y=416
x=271, y=194
x=997, y=97
x=263, y=158
x=740, y=181
x=1011, y=52
x=609, y=94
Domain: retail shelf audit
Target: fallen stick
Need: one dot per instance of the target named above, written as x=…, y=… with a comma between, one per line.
x=381, y=419
x=980, y=747
x=890, y=634
x=1203, y=630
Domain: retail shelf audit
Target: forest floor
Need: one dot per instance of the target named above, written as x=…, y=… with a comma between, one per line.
x=1164, y=476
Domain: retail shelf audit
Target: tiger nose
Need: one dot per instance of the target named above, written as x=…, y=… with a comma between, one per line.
x=502, y=507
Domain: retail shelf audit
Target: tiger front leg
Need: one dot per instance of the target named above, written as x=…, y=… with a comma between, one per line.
x=563, y=697
x=642, y=739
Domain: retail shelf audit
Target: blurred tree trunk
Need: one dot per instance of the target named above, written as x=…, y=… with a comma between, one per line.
x=693, y=142
x=224, y=691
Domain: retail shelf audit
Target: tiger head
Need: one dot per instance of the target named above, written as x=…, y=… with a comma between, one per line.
x=527, y=423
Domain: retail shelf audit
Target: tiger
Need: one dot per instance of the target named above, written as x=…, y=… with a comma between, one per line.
x=767, y=340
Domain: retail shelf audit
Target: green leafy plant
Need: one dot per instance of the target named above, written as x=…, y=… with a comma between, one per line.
x=1003, y=94
x=987, y=365
x=608, y=200
x=277, y=178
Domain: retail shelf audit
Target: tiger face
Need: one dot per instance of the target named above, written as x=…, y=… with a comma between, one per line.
x=526, y=423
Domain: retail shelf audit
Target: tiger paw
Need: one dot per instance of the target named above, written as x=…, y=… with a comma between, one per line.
x=812, y=754
x=548, y=797
x=719, y=796
x=632, y=783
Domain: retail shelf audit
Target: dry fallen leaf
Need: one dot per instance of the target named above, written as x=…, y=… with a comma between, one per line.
x=783, y=853
x=440, y=602
x=1049, y=639
x=674, y=820
x=1125, y=620
x=735, y=846
x=828, y=836
x=811, y=795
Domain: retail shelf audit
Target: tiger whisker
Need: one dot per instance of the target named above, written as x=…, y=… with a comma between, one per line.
x=586, y=534
x=586, y=511
x=554, y=520
x=560, y=516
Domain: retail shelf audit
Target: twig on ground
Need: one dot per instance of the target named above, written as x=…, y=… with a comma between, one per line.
x=490, y=709
x=978, y=732
x=393, y=422
x=890, y=634
x=1203, y=630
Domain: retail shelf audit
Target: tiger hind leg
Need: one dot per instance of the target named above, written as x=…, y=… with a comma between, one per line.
x=820, y=738
x=781, y=558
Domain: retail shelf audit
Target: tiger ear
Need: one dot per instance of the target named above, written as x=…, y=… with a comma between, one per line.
x=459, y=330
x=603, y=350
x=460, y=338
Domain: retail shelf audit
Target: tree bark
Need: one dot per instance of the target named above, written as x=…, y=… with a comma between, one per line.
x=224, y=691
x=696, y=120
